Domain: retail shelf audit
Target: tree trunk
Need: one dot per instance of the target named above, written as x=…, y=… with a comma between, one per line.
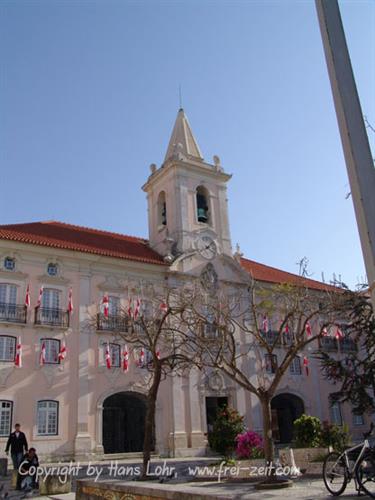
x=150, y=419
x=267, y=430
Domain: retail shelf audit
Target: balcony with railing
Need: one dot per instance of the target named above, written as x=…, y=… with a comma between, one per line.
x=331, y=344
x=51, y=317
x=13, y=313
x=112, y=323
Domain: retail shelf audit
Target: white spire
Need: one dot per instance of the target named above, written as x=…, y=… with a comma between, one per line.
x=182, y=139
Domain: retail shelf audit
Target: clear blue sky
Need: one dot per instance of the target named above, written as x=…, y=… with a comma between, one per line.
x=89, y=95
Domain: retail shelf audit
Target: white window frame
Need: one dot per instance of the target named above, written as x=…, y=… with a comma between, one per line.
x=6, y=415
x=115, y=350
x=114, y=305
x=47, y=418
x=5, y=349
x=52, y=347
x=295, y=367
x=8, y=293
x=268, y=363
x=336, y=413
x=10, y=259
x=51, y=298
x=358, y=420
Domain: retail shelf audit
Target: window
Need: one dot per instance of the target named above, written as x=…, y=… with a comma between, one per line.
x=52, y=269
x=52, y=351
x=114, y=306
x=271, y=363
x=358, y=419
x=202, y=205
x=336, y=416
x=9, y=263
x=8, y=294
x=6, y=408
x=50, y=298
x=295, y=366
x=47, y=418
x=7, y=348
x=115, y=350
x=162, y=209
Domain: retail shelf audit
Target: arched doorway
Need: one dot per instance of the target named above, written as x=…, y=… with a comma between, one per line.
x=124, y=422
x=286, y=408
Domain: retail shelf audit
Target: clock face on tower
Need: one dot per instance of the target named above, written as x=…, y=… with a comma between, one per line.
x=206, y=247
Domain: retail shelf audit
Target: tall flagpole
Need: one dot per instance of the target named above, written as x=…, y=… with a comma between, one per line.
x=359, y=163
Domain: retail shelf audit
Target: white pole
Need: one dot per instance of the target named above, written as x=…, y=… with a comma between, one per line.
x=359, y=163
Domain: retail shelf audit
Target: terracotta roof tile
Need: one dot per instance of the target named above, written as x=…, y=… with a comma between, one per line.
x=261, y=272
x=81, y=239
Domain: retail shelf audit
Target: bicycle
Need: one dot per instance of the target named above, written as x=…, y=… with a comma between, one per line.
x=337, y=471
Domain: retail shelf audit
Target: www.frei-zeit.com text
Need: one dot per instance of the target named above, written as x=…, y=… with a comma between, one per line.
x=118, y=470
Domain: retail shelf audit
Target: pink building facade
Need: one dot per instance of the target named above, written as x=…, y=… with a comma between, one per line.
x=78, y=408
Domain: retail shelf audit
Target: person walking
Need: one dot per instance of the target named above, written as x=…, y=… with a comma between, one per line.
x=18, y=446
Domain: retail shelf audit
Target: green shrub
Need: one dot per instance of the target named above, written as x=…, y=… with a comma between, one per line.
x=335, y=435
x=307, y=431
x=227, y=426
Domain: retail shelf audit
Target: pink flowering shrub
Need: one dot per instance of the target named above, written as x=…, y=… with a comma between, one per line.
x=249, y=445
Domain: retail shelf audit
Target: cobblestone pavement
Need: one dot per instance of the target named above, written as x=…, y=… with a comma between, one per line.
x=302, y=489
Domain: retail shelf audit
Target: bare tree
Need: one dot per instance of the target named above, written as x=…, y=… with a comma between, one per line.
x=262, y=326
x=151, y=324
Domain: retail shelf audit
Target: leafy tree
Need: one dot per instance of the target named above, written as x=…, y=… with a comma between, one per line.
x=354, y=372
x=227, y=426
x=307, y=431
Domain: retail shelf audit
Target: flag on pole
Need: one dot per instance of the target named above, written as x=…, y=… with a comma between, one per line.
x=105, y=305
x=308, y=329
x=18, y=358
x=265, y=326
x=39, y=303
x=325, y=332
x=27, y=296
x=164, y=307
x=158, y=354
x=306, y=364
x=125, y=359
x=70, y=301
x=108, y=358
x=42, y=356
x=137, y=307
x=62, y=352
x=339, y=335
x=141, y=357
x=286, y=330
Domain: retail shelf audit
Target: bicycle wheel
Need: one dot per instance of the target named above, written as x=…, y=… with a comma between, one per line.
x=335, y=473
x=365, y=474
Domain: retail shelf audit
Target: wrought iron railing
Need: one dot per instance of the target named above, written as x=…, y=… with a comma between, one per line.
x=13, y=313
x=112, y=323
x=51, y=317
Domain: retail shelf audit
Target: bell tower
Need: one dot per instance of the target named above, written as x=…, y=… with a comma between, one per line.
x=187, y=199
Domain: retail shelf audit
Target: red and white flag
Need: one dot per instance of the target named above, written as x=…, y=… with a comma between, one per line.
x=105, y=305
x=164, y=307
x=39, y=303
x=141, y=357
x=286, y=330
x=158, y=354
x=308, y=329
x=18, y=358
x=27, y=297
x=137, y=307
x=306, y=364
x=125, y=360
x=265, y=326
x=325, y=332
x=62, y=352
x=339, y=335
x=42, y=355
x=70, y=301
x=108, y=357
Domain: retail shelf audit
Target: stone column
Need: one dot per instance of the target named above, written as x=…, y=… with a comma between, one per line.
x=83, y=440
x=198, y=439
x=178, y=437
